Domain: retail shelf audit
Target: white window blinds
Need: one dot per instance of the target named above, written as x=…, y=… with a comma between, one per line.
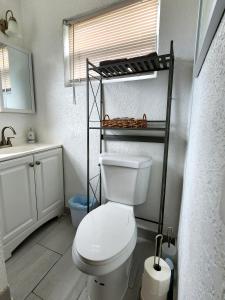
x=4, y=69
x=122, y=32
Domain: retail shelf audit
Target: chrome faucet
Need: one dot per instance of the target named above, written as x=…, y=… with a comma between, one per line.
x=6, y=142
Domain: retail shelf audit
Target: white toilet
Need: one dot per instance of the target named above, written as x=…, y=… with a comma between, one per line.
x=106, y=237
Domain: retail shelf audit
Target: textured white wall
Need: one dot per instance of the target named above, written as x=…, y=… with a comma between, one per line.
x=201, y=230
x=19, y=121
x=15, y=6
x=59, y=120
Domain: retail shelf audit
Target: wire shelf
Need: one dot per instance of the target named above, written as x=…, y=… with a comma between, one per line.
x=152, y=126
x=134, y=66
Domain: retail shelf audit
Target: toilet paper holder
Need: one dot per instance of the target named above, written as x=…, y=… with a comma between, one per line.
x=158, y=248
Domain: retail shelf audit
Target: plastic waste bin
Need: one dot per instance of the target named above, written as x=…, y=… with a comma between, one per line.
x=78, y=208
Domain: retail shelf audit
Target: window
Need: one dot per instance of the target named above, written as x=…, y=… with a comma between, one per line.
x=4, y=69
x=121, y=32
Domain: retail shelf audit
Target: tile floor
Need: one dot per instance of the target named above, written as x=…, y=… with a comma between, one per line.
x=42, y=266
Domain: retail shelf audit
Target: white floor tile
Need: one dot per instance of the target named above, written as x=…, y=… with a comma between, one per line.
x=27, y=267
x=63, y=282
x=40, y=273
x=33, y=297
x=84, y=295
x=58, y=236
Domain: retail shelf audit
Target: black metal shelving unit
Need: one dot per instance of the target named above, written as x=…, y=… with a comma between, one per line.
x=159, y=129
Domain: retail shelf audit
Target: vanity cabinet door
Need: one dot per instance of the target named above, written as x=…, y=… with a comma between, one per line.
x=49, y=181
x=17, y=197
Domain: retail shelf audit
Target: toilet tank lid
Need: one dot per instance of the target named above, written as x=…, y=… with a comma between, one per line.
x=125, y=160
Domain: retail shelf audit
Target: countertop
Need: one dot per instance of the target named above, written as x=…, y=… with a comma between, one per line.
x=25, y=149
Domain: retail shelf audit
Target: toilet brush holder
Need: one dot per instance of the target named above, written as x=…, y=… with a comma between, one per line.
x=156, y=276
x=168, y=249
x=171, y=265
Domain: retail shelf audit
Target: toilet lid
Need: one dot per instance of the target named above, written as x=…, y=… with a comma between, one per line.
x=105, y=232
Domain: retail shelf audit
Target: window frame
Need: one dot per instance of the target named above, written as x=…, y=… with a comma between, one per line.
x=87, y=16
x=5, y=90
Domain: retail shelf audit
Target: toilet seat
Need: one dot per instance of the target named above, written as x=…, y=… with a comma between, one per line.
x=105, y=239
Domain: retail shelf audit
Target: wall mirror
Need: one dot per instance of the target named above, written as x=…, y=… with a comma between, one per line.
x=16, y=80
x=210, y=15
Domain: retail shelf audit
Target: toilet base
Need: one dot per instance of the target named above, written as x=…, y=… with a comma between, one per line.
x=110, y=286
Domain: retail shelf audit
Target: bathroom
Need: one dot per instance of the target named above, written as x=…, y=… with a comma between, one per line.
x=37, y=234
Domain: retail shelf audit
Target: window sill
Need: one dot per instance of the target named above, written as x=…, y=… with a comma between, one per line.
x=118, y=79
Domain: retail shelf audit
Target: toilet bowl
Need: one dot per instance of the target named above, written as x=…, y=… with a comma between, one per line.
x=103, y=248
x=107, y=236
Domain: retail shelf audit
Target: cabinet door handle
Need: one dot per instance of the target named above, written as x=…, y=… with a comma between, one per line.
x=31, y=165
x=38, y=163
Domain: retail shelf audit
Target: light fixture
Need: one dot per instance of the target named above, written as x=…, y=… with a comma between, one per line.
x=8, y=26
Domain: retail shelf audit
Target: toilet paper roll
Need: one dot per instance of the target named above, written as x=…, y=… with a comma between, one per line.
x=155, y=284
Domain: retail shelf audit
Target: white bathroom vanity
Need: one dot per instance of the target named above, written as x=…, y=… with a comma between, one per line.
x=31, y=190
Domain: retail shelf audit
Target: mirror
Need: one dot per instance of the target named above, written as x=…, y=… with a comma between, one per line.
x=210, y=15
x=205, y=15
x=16, y=80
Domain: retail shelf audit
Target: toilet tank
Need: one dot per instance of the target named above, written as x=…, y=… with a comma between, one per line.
x=125, y=177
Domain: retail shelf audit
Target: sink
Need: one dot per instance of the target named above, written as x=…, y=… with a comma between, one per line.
x=17, y=151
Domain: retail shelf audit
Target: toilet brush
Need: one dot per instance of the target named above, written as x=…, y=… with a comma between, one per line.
x=168, y=249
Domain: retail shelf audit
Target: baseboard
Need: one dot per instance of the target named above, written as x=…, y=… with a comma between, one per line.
x=66, y=210
x=146, y=234
x=150, y=235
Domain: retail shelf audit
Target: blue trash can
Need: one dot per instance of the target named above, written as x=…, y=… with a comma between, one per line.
x=78, y=207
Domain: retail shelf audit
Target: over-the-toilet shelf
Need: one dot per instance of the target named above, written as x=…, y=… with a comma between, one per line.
x=157, y=131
